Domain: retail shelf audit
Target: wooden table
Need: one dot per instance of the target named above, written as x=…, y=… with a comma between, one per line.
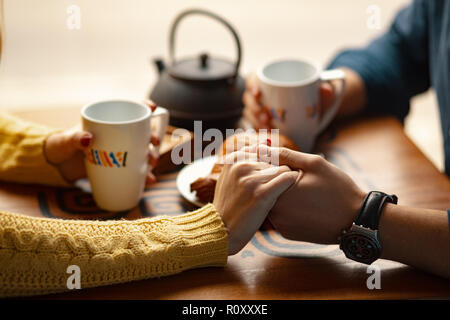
x=375, y=152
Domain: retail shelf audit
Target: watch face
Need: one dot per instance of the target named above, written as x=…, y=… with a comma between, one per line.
x=360, y=247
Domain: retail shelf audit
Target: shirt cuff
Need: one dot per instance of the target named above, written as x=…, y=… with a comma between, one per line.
x=448, y=216
x=204, y=238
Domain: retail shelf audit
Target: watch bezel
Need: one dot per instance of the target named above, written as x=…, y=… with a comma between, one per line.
x=369, y=238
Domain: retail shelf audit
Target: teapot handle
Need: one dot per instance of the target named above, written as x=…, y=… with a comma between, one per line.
x=211, y=15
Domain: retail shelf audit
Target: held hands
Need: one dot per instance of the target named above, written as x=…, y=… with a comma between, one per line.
x=245, y=192
x=314, y=202
x=320, y=205
x=65, y=151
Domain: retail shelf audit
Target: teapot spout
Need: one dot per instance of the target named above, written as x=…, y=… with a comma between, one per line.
x=160, y=65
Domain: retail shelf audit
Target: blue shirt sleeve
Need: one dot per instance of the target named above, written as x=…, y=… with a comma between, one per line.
x=395, y=66
x=448, y=216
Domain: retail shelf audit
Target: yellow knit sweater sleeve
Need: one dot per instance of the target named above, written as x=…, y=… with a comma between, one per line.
x=21, y=153
x=36, y=252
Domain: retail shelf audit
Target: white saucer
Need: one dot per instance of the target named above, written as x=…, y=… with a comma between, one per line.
x=191, y=172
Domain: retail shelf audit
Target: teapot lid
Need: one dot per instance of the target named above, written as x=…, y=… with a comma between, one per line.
x=203, y=68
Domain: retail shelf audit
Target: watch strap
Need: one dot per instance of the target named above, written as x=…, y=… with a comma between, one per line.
x=371, y=209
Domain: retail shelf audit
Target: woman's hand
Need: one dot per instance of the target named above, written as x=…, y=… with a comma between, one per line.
x=245, y=192
x=65, y=150
x=323, y=202
x=259, y=116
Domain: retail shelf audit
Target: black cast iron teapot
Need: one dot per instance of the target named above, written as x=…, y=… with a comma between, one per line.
x=202, y=88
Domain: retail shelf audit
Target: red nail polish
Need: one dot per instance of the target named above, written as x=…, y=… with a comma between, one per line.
x=269, y=142
x=256, y=93
x=86, y=141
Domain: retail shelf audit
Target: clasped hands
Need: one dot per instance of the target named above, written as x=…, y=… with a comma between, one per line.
x=306, y=198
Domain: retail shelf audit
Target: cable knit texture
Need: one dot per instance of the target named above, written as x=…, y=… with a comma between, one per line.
x=21, y=153
x=36, y=252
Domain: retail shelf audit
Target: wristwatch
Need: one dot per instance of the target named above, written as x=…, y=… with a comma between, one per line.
x=360, y=242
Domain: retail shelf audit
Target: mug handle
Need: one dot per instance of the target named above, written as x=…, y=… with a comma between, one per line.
x=163, y=115
x=328, y=76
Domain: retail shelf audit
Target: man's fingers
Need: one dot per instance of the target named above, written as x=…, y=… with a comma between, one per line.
x=251, y=117
x=298, y=160
x=251, y=82
x=255, y=113
x=250, y=103
x=255, y=110
x=326, y=97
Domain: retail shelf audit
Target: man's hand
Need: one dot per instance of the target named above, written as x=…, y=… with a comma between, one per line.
x=353, y=101
x=245, y=193
x=320, y=205
x=259, y=116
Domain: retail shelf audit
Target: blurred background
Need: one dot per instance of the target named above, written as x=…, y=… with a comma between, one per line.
x=65, y=53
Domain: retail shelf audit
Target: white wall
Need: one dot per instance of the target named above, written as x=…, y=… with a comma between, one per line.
x=46, y=65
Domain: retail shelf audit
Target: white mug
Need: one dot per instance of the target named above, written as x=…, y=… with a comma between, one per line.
x=290, y=92
x=117, y=161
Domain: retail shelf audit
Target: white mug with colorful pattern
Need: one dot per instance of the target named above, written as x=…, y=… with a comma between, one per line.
x=290, y=92
x=117, y=161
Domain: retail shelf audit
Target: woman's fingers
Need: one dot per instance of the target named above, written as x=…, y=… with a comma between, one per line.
x=258, y=165
x=237, y=156
x=150, y=179
x=154, y=140
x=152, y=160
x=62, y=146
x=284, y=156
x=269, y=172
x=275, y=157
x=151, y=104
x=82, y=139
x=280, y=183
x=152, y=156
